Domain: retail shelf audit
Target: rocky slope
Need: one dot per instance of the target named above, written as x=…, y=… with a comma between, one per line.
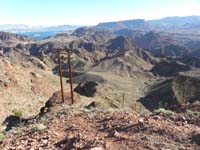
x=112, y=74
x=9, y=38
x=116, y=63
x=64, y=127
x=33, y=65
x=24, y=88
x=167, y=93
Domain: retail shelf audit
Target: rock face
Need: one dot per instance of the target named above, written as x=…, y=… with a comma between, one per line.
x=191, y=61
x=160, y=95
x=186, y=88
x=169, y=68
x=182, y=89
x=87, y=88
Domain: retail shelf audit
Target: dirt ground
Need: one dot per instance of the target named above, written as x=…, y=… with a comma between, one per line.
x=66, y=128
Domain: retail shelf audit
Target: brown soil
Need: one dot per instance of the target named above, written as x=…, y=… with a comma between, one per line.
x=70, y=129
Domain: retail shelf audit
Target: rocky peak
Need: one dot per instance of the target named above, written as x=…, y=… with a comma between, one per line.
x=5, y=36
x=121, y=43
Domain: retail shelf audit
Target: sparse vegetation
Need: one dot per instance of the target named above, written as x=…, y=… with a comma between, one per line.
x=2, y=136
x=103, y=105
x=104, y=126
x=196, y=113
x=163, y=104
x=43, y=119
x=113, y=68
x=18, y=113
x=38, y=127
x=164, y=112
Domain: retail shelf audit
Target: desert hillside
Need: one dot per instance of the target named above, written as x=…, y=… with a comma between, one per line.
x=132, y=90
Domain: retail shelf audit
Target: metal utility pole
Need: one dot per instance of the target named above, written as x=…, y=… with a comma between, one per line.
x=70, y=75
x=60, y=73
x=123, y=99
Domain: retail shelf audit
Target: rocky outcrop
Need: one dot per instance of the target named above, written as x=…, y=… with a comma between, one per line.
x=191, y=61
x=56, y=98
x=182, y=89
x=38, y=63
x=10, y=37
x=186, y=88
x=87, y=88
x=169, y=68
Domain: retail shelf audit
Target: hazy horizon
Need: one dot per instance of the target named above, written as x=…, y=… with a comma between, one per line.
x=91, y=12
x=93, y=24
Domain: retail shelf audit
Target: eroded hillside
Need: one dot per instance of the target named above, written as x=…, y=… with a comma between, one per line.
x=110, y=73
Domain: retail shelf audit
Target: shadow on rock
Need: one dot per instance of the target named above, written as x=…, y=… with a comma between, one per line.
x=87, y=88
x=66, y=143
x=196, y=139
x=13, y=121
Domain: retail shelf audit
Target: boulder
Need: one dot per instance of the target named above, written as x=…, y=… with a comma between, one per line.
x=91, y=105
x=87, y=88
x=56, y=98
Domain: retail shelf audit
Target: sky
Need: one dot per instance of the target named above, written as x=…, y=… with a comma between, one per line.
x=91, y=12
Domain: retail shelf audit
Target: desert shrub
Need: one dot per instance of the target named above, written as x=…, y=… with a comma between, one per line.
x=2, y=136
x=18, y=113
x=43, y=119
x=196, y=113
x=38, y=127
x=163, y=104
x=164, y=112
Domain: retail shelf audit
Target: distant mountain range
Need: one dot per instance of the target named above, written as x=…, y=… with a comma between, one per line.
x=37, y=32
x=25, y=28
x=189, y=25
x=168, y=23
